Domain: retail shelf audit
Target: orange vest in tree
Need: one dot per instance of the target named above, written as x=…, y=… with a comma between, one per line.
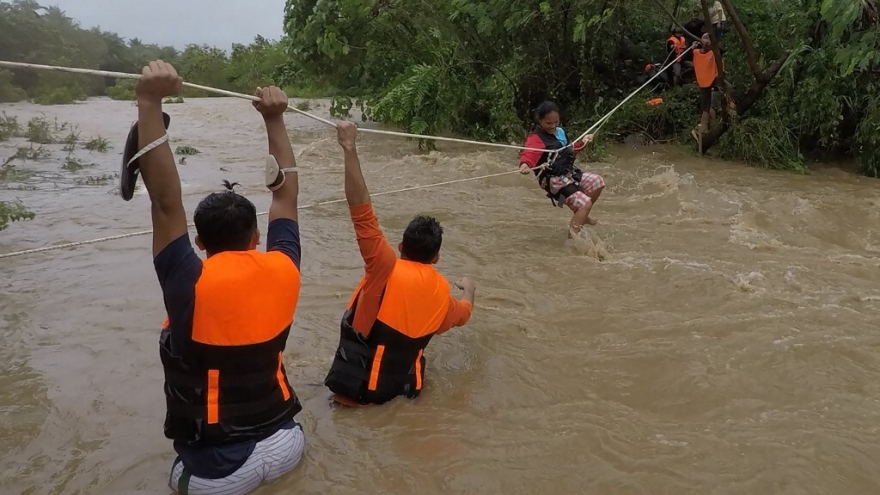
x=678, y=44
x=705, y=68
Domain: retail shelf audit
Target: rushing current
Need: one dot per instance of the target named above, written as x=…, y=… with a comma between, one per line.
x=716, y=335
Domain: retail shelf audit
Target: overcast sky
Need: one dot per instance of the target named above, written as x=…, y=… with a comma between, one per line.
x=179, y=22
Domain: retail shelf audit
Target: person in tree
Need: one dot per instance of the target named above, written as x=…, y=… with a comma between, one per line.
x=556, y=172
x=676, y=46
x=719, y=19
x=695, y=25
x=707, y=80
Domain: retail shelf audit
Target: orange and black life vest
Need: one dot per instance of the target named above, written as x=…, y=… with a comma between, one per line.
x=229, y=384
x=562, y=165
x=705, y=68
x=678, y=45
x=390, y=361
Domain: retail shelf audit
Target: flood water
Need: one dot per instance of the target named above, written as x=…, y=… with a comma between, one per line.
x=719, y=336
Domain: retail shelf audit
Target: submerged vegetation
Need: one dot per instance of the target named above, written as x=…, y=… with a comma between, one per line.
x=39, y=141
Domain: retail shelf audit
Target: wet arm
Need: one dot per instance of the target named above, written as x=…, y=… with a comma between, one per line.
x=284, y=200
x=356, y=191
x=459, y=312
x=160, y=177
x=378, y=256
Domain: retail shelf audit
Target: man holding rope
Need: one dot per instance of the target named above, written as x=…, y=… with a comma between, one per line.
x=230, y=407
x=399, y=305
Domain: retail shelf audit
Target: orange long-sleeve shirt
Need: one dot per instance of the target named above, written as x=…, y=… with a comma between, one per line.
x=379, y=260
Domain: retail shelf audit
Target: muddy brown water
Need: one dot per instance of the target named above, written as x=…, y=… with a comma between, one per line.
x=727, y=343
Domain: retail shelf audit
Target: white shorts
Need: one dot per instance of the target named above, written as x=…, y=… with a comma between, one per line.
x=271, y=458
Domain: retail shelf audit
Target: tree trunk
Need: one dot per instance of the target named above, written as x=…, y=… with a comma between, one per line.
x=743, y=105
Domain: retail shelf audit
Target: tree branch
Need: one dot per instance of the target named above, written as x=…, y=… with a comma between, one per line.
x=774, y=68
x=746, y=39
x=675, y=21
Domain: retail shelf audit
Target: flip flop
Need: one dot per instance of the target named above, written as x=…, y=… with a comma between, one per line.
x=129, y=173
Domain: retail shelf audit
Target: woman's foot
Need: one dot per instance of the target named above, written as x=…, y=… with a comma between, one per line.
x=591, y=221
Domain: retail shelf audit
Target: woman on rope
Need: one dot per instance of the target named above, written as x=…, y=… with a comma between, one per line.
x=564, y=183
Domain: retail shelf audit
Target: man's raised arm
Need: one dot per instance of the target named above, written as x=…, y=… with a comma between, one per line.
x=157, y=167
x=355, y=187
x=379, y=257
x=272, y=106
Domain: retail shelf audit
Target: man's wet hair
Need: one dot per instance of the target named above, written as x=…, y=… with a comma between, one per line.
x=225, y=221
x=422, y=239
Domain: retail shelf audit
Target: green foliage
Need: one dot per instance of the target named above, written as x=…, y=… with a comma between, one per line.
x=99, y=144
x=9, y=92
x=763, y=142
x=479, y=68
x=13, y=212
x=36, y=34
x=95, y=180
x=71, y=141
x=122, y=90
x=33, y=33
x=58, y=96
x=72, y=164
x=39, y=131
x=9, y=127
x=186, y=151
x=29, y=153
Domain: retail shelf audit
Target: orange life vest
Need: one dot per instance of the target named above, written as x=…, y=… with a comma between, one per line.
x=390, y=362
x=228, y=383
x=705, y=68
x=678, y=44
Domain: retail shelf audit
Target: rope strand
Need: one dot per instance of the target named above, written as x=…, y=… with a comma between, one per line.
x=122, y=75
x=321, y=203
x=224, y=92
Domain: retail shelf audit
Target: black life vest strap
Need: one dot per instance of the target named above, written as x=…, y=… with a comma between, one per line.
x=353, y=349
x=226, y=411
x=191, y=381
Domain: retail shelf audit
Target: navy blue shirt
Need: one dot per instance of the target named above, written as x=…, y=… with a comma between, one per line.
x=179, y=268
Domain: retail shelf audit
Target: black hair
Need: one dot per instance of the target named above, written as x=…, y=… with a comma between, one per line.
x=422, y=239
x=545, y=108
x=225, y=221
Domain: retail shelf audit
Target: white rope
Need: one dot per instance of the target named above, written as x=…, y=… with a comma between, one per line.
x=609, y=114
x=595, y=126
x=233, y=94
x=322, y=203
x=148, y=148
